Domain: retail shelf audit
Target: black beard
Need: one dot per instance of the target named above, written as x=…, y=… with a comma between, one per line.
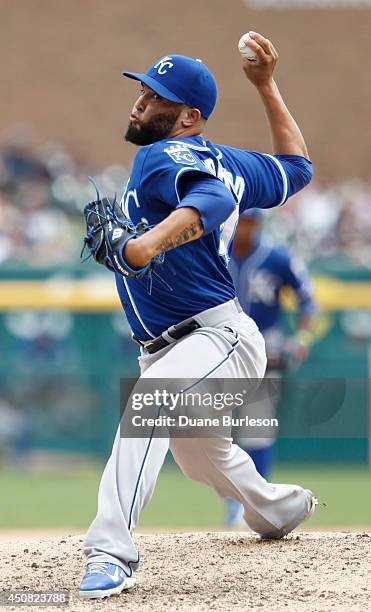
x=157, y=128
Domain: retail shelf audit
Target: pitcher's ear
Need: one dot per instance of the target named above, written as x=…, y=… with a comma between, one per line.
x=191, y=116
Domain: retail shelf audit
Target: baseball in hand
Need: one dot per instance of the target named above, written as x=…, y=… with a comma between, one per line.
x=245, y=51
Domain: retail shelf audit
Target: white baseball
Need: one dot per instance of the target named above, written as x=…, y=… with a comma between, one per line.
x=246, y=52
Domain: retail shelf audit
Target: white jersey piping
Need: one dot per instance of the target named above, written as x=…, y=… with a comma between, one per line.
x=136, y=310
x=284, y=177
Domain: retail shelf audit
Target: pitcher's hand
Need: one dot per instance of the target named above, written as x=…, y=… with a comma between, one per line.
x=260, y=73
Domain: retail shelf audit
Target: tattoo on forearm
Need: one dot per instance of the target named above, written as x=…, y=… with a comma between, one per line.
x=184, y=236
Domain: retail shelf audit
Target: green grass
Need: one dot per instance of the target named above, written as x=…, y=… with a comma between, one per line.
x=343, y=492
x=69, y=500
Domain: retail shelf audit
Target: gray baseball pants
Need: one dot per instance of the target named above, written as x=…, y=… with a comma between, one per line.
x=227, y=345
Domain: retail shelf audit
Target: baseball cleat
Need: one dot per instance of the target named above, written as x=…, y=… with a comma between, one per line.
x=313, y=501
x=103, y=580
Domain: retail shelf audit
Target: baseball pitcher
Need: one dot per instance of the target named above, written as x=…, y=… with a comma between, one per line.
x=168, y=245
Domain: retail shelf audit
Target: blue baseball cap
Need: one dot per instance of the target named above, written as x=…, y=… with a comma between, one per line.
x=181, y=79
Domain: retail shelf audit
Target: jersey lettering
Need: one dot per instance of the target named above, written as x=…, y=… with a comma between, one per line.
x=226, y=234
x=263, y=287
x=235, y=185
x=164, y=64
x=125, y=200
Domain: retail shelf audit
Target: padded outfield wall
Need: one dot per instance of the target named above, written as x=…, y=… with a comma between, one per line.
x=66, y=344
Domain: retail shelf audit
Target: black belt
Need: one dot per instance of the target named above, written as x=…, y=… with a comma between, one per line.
x=174, y=333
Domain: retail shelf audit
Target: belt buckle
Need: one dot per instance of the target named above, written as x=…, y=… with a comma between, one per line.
x=146, y=345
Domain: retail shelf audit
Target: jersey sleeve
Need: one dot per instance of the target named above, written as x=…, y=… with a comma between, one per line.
x=172, y=174
x=210, y=197
x=272, y=179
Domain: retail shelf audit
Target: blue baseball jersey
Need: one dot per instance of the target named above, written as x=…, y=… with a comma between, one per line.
x=195, y=276
x=259, y=278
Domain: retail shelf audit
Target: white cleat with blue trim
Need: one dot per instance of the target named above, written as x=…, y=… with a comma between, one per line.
x=103, y=580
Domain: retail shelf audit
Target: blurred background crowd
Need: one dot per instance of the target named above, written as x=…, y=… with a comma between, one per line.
x=43, y=191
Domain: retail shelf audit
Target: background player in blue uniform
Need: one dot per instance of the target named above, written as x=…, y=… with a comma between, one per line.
x=189, y=323
x=260, y=270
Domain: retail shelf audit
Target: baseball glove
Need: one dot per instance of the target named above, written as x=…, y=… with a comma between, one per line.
x=108, y=231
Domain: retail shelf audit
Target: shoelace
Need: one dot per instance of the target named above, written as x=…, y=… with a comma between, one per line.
x=97, y=568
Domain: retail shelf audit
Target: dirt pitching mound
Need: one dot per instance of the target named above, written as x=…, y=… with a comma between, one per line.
x=207, y=571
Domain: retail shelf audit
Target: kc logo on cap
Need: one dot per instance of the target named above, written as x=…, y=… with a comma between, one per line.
x=164, y=64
